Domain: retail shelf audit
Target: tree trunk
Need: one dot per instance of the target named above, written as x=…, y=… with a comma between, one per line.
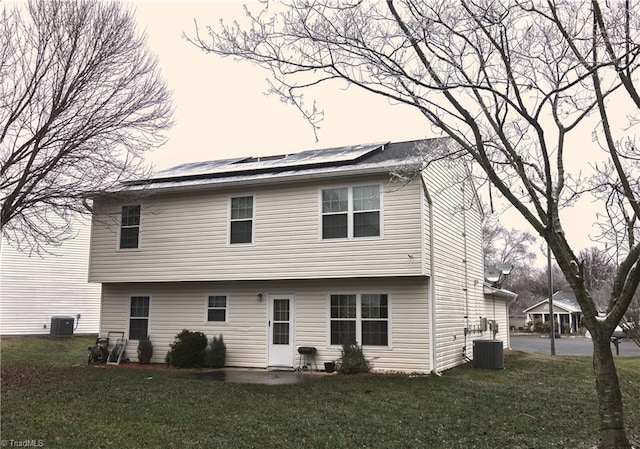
x=612, y=432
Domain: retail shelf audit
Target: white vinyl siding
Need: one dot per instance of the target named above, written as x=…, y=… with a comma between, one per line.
x=459, y=273
x=497, y=308
x=178, y=306
x=35, y=288
x=286, y=243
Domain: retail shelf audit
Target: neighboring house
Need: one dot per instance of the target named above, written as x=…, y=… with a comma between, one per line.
x=566, y=310
x=309, y=249
x=35, y=288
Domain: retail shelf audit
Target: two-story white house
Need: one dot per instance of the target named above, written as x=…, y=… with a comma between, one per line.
x=309, y=249
x=35, y=288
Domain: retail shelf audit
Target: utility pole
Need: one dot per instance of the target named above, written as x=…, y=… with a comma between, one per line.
x=551, y=317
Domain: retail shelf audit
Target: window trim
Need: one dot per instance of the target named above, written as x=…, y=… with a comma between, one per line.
x=253, y=220
x=351, y=212
x=358, y=318
x=129, y=318
x=207, y=308
x=118, y=242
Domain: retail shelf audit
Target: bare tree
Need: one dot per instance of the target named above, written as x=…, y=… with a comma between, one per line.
x=514, y=85
x=532, y=286
x=81, y=100
x=599, y=272
x=631, y=320
x=502, y=245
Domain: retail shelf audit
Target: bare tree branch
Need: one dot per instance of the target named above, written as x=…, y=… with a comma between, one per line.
x=81, y=100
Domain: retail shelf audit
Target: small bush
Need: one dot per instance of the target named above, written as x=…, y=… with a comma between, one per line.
x=218, y=353
x=352, y=360
x=188, y=349
x=145, y=350
x=538, y=326
x=208, y=357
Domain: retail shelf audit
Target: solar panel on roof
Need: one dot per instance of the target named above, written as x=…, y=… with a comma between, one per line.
x=330, y=156
x=195, y=168
x=311, y=157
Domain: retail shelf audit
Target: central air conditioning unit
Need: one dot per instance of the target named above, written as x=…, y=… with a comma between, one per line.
x=488, y=354
x=61, y=326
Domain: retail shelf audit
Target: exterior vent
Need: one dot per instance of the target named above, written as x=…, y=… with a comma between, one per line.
x=488, y=354
x=61, y=326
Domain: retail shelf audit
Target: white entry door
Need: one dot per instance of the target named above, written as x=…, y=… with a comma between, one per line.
x=281, y=313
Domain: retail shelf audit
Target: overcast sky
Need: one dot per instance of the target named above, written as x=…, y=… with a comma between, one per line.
x=222, y=111
x=221, y=108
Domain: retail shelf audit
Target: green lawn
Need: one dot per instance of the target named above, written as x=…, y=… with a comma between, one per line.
x=50, y=394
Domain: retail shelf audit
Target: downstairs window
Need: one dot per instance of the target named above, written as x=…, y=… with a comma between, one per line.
x=359, y=318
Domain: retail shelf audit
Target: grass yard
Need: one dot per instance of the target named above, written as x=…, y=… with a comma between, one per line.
x=50, y=395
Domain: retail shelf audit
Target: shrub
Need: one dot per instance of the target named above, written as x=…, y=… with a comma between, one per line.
x=208, y=357
x=218, y=353
x=538, y=326
x=187, y=350
x=352, y=360
x=145, y=350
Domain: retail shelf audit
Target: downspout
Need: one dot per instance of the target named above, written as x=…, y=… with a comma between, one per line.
x=432, y=288
x=465, y=262
x=507, y=318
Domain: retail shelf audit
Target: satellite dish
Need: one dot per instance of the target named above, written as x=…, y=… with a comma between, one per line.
x=504, y=268
x=492, y=275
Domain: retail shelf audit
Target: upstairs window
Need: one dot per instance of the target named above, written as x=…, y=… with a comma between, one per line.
x=130, y=227
x=241, y=226
x=351, y=212
x=335, y=213
x=366, y=211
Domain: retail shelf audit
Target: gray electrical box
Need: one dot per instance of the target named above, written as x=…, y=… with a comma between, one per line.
x=488, y=354
x=61, y=326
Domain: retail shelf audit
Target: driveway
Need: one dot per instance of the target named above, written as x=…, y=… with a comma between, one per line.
x=568, y=346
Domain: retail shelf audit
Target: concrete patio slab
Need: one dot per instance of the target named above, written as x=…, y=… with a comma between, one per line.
x=257, y=376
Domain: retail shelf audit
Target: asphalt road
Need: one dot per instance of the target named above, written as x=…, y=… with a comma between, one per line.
x=568, y=346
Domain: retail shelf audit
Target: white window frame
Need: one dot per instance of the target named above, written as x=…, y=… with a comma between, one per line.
x=148, y=317
x=359, y=319
x=207, y=308
x=350, y=212
x=253, y=220
x=139, y=226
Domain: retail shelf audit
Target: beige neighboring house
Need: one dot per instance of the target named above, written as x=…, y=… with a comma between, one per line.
x=566, y=310
x=308, y=249
x=33, y=289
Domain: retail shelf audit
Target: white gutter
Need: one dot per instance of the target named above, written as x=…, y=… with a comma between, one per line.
x=432, y=288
